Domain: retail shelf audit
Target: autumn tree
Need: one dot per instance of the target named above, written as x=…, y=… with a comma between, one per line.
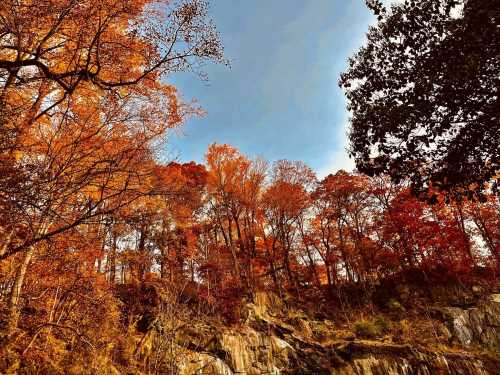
x=341, y=227
x=486, y=219
x=68, y=65
x=423, y=94
x=417, y=236
x=234, y=187
x=285, y=202
x=175, y=237
x=83, y=104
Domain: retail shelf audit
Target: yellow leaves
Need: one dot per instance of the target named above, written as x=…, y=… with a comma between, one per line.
x=17, y=154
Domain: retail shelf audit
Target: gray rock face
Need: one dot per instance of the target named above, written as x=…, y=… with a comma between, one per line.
x=367, y=364
x=253, y=353
x=269, y=342
x=476, y=326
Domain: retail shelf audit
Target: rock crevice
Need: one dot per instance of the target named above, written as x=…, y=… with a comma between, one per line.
x=271, y=341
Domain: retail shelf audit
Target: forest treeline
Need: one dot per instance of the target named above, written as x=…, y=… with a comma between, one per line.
x=233, y=226
x=87, y=208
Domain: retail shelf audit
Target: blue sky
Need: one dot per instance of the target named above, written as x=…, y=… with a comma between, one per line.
x=279, y=99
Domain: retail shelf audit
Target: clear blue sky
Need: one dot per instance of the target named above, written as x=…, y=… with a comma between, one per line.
x=280, y=98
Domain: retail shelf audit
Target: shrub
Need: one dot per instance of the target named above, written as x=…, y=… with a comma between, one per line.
x=395, y=306
x=383, y=324
x=366, y=329
x=405, y=328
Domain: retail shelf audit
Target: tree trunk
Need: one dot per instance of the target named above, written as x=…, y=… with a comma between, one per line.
x=17, y=286
x=15, y=293
x=461, y=223
x=112, y=260
x=6, y=243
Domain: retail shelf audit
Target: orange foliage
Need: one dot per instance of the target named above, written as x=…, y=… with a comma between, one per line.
x=93, y=226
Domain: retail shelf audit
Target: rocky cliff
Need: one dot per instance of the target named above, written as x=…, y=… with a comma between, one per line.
x=274, y=339
x=478, y=325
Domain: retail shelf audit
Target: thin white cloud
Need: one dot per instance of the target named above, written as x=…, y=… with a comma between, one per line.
x=294, y=74
x=337, y=159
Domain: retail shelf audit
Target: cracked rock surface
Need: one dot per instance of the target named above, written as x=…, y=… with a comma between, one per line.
x=270, y=342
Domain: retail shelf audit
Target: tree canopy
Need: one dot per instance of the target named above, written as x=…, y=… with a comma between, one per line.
x=108, y=253
x=424, y=94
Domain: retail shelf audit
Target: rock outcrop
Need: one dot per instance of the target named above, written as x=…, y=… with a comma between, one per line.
x=478, y=325
x=272, y=342
x=244, y=354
